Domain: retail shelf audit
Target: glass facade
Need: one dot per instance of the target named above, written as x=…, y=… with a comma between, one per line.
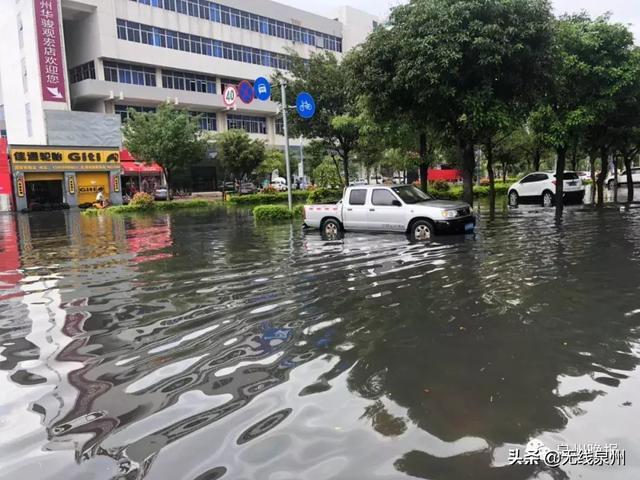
x=124, y=111
x=82, y=72
x=165, y=38
x=248, y=123
x=248, y=21
x=128, y=73
x=208, y=120
x=192, y=82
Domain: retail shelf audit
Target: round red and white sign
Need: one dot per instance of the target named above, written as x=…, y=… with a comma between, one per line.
x=230, y=95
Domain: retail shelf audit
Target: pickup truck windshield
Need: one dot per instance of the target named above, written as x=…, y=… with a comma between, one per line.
x=410, y=194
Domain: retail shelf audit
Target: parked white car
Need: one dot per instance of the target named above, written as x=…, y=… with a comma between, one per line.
x=541, y=187
x=398, y=208
x=279, y=184
x=622, y=178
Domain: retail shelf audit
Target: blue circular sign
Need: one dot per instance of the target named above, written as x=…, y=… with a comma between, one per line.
x=245, y=91
x=305, y=105
x=262, y=89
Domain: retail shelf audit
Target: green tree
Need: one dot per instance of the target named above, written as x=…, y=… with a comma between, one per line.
x=326, y=175
x=335, y=122
x=625, y=121
x=273, y=160
x=585, y=75
x=449, y=63
x=239, y=155
x=169, y=137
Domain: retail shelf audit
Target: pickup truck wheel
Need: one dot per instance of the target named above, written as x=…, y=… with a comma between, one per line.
x=422, y=230
x=330, y=228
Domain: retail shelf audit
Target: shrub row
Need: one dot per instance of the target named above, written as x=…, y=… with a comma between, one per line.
x=274, y=213
x=264, y=198
x=319, y=195
x=151, y=207
x=455, y=192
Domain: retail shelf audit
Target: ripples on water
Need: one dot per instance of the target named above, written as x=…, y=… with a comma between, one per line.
x=198, y=346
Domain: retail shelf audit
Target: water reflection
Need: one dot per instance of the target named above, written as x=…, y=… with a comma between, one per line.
x=201, y=346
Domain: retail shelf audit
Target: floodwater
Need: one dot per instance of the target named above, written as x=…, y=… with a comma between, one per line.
x=199, y=346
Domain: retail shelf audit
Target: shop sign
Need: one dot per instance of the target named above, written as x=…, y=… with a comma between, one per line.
x=20, y=186
x=61, y=159
x=72, y=185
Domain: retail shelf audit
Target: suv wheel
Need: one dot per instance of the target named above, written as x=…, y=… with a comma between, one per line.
x=610, y=184
x=513, y=198
x=547, y=199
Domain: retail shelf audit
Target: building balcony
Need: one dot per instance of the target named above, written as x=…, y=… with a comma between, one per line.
x=89, y=91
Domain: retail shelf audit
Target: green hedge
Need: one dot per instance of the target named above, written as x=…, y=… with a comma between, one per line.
x=455, y=192
x=325, y=195
x=274, y=213
x=267, y=198
x=154, y=207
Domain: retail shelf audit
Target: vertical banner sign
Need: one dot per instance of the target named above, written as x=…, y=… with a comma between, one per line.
x=50, y=50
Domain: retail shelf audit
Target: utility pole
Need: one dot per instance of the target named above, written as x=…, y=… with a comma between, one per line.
x=283, y=89
x=301, y=170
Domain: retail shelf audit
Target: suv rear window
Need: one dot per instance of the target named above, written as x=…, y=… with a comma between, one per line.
x=569, y=176
x=357, y=197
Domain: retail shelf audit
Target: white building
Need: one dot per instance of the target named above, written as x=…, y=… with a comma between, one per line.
x=121, y=54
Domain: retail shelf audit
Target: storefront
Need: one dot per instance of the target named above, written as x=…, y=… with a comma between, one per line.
x=51, y=177
x=139, y=177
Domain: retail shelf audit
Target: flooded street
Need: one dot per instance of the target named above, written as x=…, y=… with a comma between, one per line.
x=199, y=346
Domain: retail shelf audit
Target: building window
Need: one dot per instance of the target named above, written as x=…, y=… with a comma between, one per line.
x=279, y=126
x=82, y=72
x=3, y=134
x=128, y=73
x=125, y=111
x=247, y=123
x=27, y=114
x=188, y=81
x=132, y=32
x=245, y=20
x=207, y=120
x=25, y=78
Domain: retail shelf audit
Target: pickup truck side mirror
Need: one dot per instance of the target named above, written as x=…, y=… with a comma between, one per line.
x=396, y=203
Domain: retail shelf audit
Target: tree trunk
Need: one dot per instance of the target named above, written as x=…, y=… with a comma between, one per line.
x=560, y=166
x=492, y=184
x=574, y=158
x=615, y=179
x=167, y=179
x=536, y=160
x=345, y=166
x=627, y=166
x=468, y=167
x=504, y=172
x=424, y=166
x=603, y=174
x=592, y=165
x=337, y=165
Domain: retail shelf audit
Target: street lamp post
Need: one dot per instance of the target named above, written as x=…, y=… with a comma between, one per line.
x=283, y=89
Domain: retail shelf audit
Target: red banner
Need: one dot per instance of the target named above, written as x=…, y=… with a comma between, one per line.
x=50, y=50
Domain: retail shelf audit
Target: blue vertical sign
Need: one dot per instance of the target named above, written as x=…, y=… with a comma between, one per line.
x=262, y=89
x=305, y=105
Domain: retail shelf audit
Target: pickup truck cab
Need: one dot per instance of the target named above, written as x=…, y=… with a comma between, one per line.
x=397, y=208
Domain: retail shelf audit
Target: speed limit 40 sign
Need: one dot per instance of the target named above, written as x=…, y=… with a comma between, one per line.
x=230, y=95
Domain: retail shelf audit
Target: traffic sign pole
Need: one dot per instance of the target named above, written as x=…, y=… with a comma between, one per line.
x=283, y=88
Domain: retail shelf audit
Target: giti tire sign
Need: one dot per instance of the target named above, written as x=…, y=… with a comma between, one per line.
x=50, y=50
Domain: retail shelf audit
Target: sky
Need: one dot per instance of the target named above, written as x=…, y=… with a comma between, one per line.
x=623, y=11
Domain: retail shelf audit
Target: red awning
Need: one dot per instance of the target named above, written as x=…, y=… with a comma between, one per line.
x=131, y=167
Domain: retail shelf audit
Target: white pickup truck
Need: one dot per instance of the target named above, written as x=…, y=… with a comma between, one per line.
x=398, y=208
